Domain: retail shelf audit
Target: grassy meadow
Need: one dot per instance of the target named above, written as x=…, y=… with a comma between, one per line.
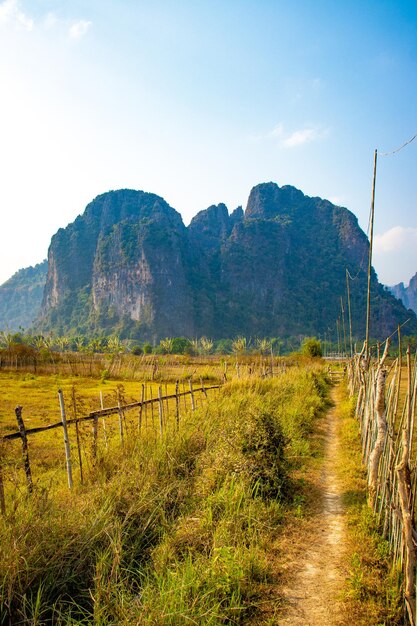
x=171, y=529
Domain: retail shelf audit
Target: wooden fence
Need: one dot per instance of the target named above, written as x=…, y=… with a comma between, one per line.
x=385, y=408
x=160, y=400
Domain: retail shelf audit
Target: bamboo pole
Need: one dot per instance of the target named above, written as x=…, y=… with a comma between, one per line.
x=142, y=398
x=146, y=406
x=95, y=433
x=120, y=413
x=349, y=313
x=192, y=395
x=25, y=451
x=2, y=498
x=166, y=403
x=153, y=420
x=371, y=240
x=343, y=324
x=77, y=434
x=161, y=411
x=177, y=404
x=66, y=439
x=106, y=443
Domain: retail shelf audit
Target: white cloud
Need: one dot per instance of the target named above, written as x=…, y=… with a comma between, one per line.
x=79, y=29
x=395, y=254
x=293, y=139
x=396, y=239
x=277, y=131
x=300, y=137
x=10, y=13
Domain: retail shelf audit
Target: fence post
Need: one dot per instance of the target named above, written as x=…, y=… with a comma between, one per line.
x=95, y=430
x=2, y=499
x=177, y=404
x=166, y=403
x=77, y=434
x=25, y=452
x=119, y=404
x=104, y=421
x=66, y=439
x=142, y=398
x=203, y=388
x=146, y=406
x=152, y=409
x=161, y=411
x=192, y=395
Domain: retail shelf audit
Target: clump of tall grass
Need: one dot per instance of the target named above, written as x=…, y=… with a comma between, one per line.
x=170, y=530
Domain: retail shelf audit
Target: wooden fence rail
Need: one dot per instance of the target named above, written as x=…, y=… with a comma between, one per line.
x=163, y=411
x=387, y=452
x=114, y=410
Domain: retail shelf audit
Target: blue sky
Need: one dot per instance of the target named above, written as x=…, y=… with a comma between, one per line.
x=198, y=101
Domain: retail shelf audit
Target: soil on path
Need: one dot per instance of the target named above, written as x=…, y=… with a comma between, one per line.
x=311, y=554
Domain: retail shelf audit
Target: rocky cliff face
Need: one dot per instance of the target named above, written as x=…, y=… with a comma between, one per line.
x=129, y=265
x=21, y=297
x=408, y=295
x=124, y=262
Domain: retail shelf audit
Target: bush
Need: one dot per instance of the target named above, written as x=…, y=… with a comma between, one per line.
x=311, y=347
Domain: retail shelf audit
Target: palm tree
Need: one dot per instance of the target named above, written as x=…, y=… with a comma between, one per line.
x=167, y=345
x=264, y=345
x=239, y=345
x=206, y=345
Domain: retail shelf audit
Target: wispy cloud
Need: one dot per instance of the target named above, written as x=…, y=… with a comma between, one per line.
x=395, y=254
x=396, y=239
x=12, y=14
x=300, y=137
x=78, y=29
x=293, y=139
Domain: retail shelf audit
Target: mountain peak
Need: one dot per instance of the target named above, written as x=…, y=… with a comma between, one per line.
x=268, y=200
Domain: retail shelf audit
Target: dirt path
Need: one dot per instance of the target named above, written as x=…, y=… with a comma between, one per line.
x=314, y=569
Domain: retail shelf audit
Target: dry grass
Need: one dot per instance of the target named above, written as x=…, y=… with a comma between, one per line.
x=165, y=530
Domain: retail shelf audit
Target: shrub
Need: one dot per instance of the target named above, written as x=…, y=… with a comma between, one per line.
x=311, y=347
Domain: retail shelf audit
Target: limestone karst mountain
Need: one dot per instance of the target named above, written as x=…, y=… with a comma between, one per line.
x=130, y=265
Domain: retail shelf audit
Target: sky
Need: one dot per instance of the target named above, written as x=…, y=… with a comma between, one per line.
x=200, y=100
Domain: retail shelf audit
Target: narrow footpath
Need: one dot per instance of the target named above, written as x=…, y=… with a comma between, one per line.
x=311, y=555
x=312, y=595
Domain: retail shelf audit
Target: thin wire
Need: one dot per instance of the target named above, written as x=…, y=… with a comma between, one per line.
x=385, y=154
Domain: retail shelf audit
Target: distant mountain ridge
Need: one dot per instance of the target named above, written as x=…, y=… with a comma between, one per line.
x=21, y=297
x=129, y=265
x=408, y=295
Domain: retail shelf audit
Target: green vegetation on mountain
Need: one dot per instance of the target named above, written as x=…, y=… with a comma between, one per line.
x=21, y=297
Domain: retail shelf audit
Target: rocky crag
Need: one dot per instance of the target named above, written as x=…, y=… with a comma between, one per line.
x=408, y=295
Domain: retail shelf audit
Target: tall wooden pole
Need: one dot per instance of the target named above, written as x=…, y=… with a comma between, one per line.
x=338, y=336
x=343, y=324
x=349, y=313
x=371, y=240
